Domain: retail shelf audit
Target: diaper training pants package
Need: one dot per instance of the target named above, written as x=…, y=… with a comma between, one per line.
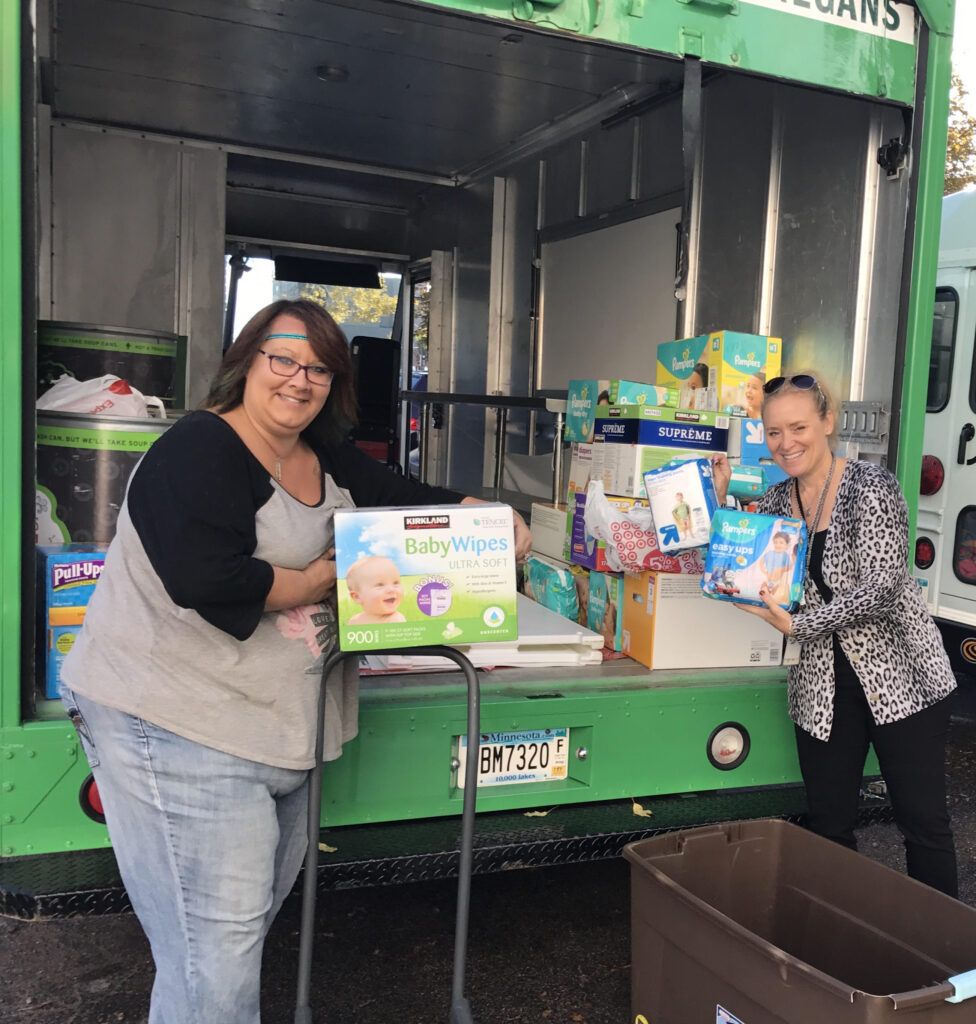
x=682, y=500
x=66, y=575
x=747, y=550
x=409, y=577
x=604, y=608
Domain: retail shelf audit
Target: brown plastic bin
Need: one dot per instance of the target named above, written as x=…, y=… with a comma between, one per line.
x=762, y=922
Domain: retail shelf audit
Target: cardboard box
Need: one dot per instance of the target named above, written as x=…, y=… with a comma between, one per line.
x=665, y=428
x=621, y=467
x=585, y=397
x=629, y=392
x=603, y=607
x=550, y=531
x=669, y=624
x=747, y=441
x=411, y=577
x=732, y=358
x=582, y=397
x=66, y=576
x=580, y=469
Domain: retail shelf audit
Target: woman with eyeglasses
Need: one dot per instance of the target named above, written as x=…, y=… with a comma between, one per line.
x=194, y=681
x=872, y=667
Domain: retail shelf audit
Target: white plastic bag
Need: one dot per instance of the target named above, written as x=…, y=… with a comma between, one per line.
x=101, y=396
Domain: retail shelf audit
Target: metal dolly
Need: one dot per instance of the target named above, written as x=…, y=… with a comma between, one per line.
x=460, y=1008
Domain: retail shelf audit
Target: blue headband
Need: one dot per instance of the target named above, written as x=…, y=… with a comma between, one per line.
x=297, y=337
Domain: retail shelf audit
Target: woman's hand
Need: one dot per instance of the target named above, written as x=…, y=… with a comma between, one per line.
x=321, y=576
x=523, y=538
x=721, y=476
x=772, y=613
x=294, y=587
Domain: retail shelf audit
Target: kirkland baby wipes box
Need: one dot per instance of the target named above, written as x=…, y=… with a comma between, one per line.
x=748, y=550
x=683, y=500
x=666, y=428
x=621, y=467
x=66, y=576
x=410, y=577
x=665, y=618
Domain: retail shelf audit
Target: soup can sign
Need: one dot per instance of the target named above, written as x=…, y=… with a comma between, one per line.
x=83, y=468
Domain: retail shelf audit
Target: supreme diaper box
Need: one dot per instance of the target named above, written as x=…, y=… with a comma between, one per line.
x=66, y=576
x=584, y=398
x=411, y=577
x=603, y=607
x=747, y=551
x=666, y=428
x=683, y=501
x=550, y=533
x=621, y=467
x=665, y=617
x=747, y=441
x=737, y=366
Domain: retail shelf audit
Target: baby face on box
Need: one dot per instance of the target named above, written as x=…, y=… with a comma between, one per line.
x=411, y=577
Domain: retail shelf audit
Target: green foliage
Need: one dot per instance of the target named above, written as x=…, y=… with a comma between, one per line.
x=961, y=147
x=352, y=305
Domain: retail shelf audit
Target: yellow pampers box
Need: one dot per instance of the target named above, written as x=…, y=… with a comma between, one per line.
x=664, y=617
x=735, y=364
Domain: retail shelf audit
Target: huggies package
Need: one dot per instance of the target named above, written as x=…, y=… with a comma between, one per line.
x=683, y=500
x=410, y=577
x=748, y=550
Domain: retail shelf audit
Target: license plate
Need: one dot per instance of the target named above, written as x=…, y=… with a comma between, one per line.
x=511, y=758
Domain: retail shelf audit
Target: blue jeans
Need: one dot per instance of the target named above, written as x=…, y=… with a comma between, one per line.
x=208, y=846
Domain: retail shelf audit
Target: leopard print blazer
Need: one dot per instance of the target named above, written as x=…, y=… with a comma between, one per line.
x=878, y=612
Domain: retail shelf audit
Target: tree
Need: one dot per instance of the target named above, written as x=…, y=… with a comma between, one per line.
x=961, y=147
x=351, y=305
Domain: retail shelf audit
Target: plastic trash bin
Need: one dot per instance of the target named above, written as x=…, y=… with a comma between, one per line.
x=762, y=922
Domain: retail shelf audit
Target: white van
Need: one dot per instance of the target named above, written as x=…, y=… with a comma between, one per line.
x=945, y=551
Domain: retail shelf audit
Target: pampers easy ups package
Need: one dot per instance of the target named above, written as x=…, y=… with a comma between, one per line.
x=668, y=428
x=682, y=500
x=747, y=550
x=409, y=577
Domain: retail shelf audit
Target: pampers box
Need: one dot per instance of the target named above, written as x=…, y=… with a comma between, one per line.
x=585, y=397
x=747, y=550
x=731, y=357
x=665, y=618
x=603, y=608
x=683, y=500
x=411, y=577
x=67, y=574
x=667, y=428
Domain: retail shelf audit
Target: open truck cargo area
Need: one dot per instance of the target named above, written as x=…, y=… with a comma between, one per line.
x=571, y=183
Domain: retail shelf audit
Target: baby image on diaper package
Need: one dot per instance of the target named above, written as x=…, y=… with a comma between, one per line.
x=748, y=550
x=682, y=499
x=409, y=577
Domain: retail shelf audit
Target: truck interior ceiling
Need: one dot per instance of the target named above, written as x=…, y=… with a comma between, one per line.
x=538, y=179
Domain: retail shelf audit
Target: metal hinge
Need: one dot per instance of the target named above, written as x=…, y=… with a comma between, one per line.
x=865, y=424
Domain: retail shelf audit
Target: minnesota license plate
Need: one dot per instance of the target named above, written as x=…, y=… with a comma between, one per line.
x=510, y=758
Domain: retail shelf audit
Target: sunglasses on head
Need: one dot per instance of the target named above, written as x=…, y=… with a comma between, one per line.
x=801, y=382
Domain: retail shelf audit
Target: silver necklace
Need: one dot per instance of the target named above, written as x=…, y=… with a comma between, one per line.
x=820, y=506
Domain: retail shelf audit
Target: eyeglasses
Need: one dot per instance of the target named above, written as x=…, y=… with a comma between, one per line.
x=801, y=381
x=285, y=366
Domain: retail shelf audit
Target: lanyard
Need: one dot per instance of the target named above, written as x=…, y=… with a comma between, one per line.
x=820, y=507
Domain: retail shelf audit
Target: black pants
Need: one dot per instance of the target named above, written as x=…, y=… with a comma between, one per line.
x=911, y=754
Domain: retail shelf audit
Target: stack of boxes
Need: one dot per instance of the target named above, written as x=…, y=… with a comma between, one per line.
x=621, y=429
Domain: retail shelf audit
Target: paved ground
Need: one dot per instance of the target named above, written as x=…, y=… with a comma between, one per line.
x=546, y=945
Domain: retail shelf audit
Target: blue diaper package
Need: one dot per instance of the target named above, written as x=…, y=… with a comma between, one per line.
x=747, y=550
x=552, y=586
x=683, y=500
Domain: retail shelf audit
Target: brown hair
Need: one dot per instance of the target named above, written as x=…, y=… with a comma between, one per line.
x=329, y=344
x=821, y=394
